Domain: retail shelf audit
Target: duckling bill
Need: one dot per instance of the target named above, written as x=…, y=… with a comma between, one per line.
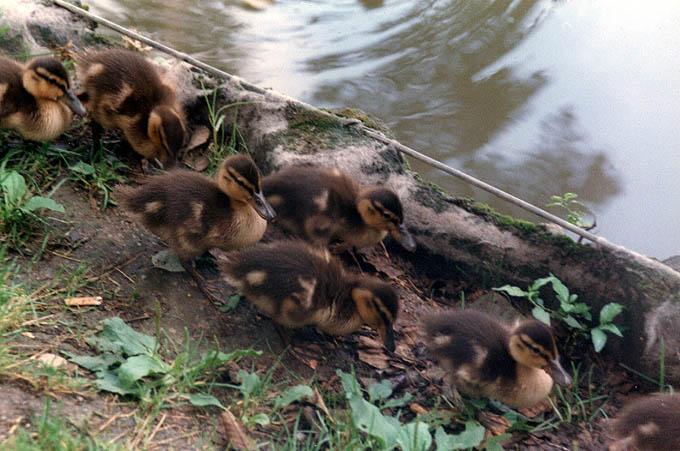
x=124, y=90
x=320, y=205
x=651, y=423
x=299, y=285
x=194, y=213
x=483, y=357
x=36, y=99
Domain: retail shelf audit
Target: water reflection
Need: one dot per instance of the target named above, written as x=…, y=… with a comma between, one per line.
x=563, y=160
x=428, y=85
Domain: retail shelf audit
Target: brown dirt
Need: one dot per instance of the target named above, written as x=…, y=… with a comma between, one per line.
x=118, y=253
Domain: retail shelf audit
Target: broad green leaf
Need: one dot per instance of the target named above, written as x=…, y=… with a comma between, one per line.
x=367, y=418
x=293, y=394
x=14, y=187
x=260, y=418
x=560, y=289
x=82, y=168
x=541, y=315
x=599, y=339
x=109, y=381
x=572, y=322
x=139, y=366
x=36, y=202
x=609, y=311
x=469, y=438
x=493, y=443
x=249, y=382
x=580, y=308
x=414, y=436
x=380, y=390
x=118, y=337
x=572, y=298
x=611, y=328
x=349, y=383
x=538, y=283
x=94, y=363
x=397, y=402
x=204, y=399
x=566, y=307
x=512, y=291
x=232, y=303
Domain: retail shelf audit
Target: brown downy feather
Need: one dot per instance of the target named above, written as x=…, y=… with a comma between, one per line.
x=193, y=213
x=124, y=90
x=299, y=285
x=321, y=205
x=36, y=99
x=651, y=423
x=483, y=357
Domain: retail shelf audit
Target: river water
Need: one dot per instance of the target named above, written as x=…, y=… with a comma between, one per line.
x=535, y=97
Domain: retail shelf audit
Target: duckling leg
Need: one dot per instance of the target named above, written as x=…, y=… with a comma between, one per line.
x=200, y=282
x=97, y=144
x=451, y=392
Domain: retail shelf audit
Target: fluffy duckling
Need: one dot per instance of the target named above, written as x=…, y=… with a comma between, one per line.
x=651, y=423
x=194, y=213
x=482, y=357
x=299, y=285
x=320, y=205
x=36, y=99
x=124, y=90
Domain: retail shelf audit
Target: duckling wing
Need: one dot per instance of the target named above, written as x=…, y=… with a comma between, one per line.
x=12, y=93
x=472, y=342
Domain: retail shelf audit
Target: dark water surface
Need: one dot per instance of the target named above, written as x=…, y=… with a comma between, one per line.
x=534, y=97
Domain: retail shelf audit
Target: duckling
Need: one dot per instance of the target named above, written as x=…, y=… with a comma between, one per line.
x=124, y=90
x=483, y=357
x=194, y=213
x=36, y=99
x=320, y=205
x=297, y=284
x=651, y=423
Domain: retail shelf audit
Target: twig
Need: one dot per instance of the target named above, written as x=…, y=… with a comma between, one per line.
x=158, y=426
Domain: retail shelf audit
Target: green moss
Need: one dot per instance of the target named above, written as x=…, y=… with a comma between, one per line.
x=432, y=198
x=310, y=131
x=367, y=119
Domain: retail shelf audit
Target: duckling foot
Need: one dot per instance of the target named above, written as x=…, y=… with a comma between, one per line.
x=454, y=397
x=201, y=283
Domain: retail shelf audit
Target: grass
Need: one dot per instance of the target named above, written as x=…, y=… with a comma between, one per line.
x=224, y=142
x=52, y=431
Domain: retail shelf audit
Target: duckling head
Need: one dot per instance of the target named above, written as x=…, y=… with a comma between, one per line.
x=532, y=344
x=46, y=78
x=380, y=208
x=378, y=306
x=167, y=133
x=240, y=179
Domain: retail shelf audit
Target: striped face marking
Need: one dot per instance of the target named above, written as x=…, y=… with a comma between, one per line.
x=241, y=181
x=51, y=78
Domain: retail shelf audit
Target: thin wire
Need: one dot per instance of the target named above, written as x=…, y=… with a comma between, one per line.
x=367, y=131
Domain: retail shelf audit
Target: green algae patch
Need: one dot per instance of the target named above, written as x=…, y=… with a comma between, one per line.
x=308, y=131
x=366, y=119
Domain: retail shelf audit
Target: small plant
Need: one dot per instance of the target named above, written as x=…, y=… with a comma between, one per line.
x=219, y=147
x=98, y=175
x=19, y=207
x=387, y=431
x=575, y=408
x=570, y=312
x=573, y=207
x=129, y=364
